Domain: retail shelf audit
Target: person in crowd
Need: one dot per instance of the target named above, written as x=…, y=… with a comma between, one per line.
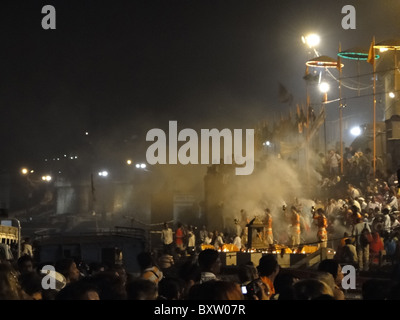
x=25, y=264
x=191, y=241
x=148, y=268
x=219, y=240
x=167, y=238
x=376, y=248
x=110, y=286
x=268, y=268
x=171, y=288
x=10, y=288
x=283, y=284
x=27, y=248
x=362, y=247
x=210, y=265
x=166, y=263
x=322, y=224
x=203, y=234
x=332, y=162
x=295, y=231
x=189, y=271
x=268, y=233
x=83, y=289
x=327, y=277
x=179, y=239
x=335, y=269
x=67, y=267
x=31, y=284
x=216, y=290
x=311, y=289
x=141, y=289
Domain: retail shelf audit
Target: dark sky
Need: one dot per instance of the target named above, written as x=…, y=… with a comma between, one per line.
x=120, y=68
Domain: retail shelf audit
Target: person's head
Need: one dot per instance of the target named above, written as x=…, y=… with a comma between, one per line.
x=311, y=289
x=25, y=264
x=31, y=283
x=247, y=273
x=283, y=285
x=110, y=286
x=209, y=261
x=120, y=271
x=141, y=289
x=268, y=266
x=333, y=267
x=171, y=288
x=67, y=267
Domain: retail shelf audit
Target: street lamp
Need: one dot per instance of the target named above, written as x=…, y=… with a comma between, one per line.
x=103, y=173
x=312, y=40
x=324, y=87
x=47, y=178
x=355, y=131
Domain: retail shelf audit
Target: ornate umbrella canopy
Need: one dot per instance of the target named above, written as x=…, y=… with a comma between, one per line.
x=357, y=53
x=323, y=62
x=392, y=44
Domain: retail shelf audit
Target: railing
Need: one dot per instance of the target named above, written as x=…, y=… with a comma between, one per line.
x=135, y=233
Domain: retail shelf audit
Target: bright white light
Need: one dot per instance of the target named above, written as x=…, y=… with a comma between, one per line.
x=143, y=166
x=391, y=95
x=46, y=178
x=103, y=173
x=129, y=162
x=137, y=165
x=383, y=49
x=24, y=171
x=356, y=131
x=268, y=143
x=324, y=87
x=312, y=40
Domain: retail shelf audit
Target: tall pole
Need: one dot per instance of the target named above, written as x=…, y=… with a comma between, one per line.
x=374, y=125
x=340, y=112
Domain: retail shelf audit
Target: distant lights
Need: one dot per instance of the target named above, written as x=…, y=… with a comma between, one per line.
x=356, y=131
x=46, y=178
x=312, y=40
x=392, y=95
x=141, y=166
x=324, y=87
x=103, y=173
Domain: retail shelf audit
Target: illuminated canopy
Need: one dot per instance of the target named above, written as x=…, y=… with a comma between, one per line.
x=356, y=53
x=323, y=62
x=392, y=44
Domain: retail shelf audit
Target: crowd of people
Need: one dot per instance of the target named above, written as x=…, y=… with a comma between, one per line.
x=197, y=277
x=358, y=218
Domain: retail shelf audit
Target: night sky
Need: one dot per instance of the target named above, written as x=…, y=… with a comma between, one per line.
x=117, y=69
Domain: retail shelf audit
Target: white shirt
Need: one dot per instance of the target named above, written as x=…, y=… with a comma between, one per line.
x=238, y=242
x=207, y=276
x=167, y=236
x=192, y=239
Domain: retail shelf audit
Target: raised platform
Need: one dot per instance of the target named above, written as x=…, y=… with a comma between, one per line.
x=286, y=260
